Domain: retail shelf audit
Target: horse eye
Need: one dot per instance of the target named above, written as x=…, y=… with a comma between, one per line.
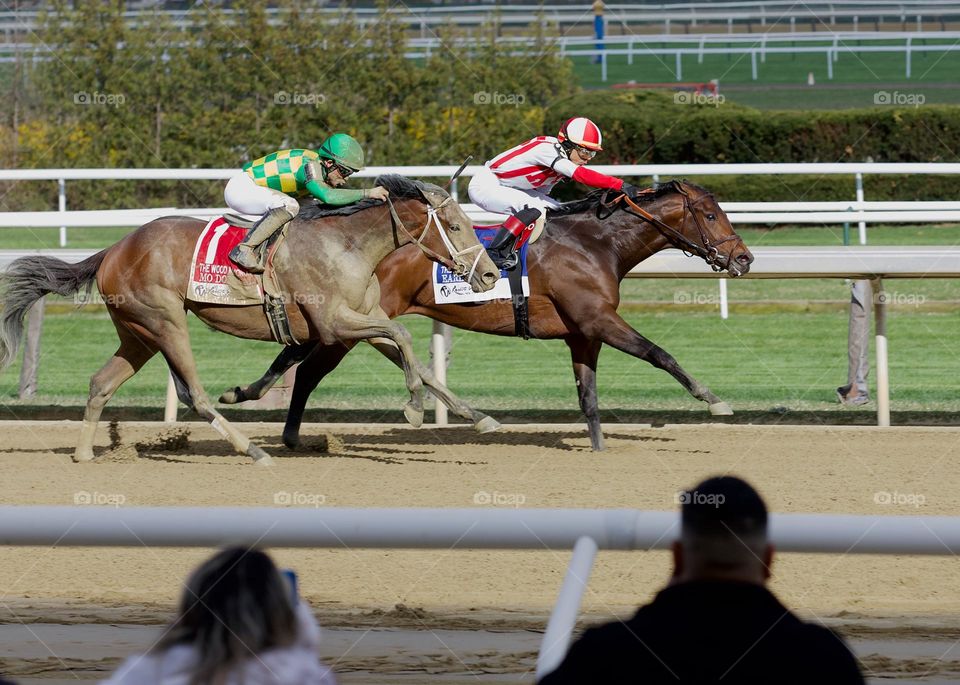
x=711, y=217
x=454, y=227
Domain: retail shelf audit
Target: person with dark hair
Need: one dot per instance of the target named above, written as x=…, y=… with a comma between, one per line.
x=239, y=623
x=715, y=622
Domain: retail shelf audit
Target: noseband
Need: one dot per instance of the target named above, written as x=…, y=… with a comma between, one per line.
x=454, y=263
x=706, y=249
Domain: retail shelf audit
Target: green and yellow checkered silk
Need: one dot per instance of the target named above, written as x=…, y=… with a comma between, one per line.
x=282, y=170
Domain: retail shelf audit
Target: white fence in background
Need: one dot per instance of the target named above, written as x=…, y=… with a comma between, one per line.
x=586, y=531
x=625, y=17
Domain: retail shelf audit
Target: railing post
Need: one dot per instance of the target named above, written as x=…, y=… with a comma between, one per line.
x=883, y=373
x=724, y=309
x=863, y=224
x=172, y=401
x=907, y=50
x=679, y=67
x=603, y=66
x=438, y=350
x=556, y=639
x=62, y=206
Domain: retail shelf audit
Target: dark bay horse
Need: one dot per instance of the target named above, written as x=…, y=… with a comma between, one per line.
x=325, y=268
x=575, y=271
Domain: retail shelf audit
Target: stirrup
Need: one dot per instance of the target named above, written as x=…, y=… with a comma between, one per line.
x=246, y=259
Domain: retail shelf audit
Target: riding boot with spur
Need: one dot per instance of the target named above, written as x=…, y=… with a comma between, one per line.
x=503, y=247
x=245, y=254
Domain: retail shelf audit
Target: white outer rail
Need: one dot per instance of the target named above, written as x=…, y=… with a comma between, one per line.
x=584, y=530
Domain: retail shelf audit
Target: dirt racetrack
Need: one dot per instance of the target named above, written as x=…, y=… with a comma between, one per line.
x=899, y=471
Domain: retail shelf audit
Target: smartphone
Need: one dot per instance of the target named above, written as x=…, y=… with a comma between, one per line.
x=291, y=577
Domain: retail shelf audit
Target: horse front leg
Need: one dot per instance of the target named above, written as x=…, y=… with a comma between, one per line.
x=481, y=422
x=614, y=331
x=288, y=356
x=351, y=325
x=322, y=360
x=584, y=352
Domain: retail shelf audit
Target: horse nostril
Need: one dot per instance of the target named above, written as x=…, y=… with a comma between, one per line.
x=490, y=277
x=745, y=258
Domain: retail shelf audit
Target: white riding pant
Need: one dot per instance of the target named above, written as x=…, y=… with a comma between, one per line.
x=486, y=191
x=243, y=195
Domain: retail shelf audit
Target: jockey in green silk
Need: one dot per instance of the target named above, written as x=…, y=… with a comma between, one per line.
x=270, y=185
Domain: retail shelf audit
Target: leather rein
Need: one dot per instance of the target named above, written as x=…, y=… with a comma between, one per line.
x=706, y=250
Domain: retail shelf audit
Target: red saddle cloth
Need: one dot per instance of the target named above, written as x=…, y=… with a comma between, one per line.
x=214, y=278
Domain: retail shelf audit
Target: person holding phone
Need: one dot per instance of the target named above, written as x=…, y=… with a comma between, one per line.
x=239, y=621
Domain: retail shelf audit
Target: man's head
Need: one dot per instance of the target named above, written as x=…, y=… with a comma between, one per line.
x=723, y=533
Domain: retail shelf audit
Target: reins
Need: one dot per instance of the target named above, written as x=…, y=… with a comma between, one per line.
x=706, y=250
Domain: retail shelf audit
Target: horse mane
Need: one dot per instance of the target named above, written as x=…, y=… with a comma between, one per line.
x=590, y=202
x=400, y=187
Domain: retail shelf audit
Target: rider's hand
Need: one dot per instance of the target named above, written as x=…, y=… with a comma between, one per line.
x=379, y=193
x=629, y=190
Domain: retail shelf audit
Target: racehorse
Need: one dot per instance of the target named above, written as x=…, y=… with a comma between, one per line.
x=325, y=268
x=575, y=271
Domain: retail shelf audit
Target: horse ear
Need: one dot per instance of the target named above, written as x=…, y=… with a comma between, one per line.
x=432, y=196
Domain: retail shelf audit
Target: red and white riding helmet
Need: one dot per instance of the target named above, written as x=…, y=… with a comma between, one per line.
x=581, y=131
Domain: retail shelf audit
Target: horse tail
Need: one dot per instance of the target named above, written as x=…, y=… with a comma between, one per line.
x=30, y=278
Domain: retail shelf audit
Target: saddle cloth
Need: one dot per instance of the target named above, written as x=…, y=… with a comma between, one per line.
x=215, y=279
x=451, y=289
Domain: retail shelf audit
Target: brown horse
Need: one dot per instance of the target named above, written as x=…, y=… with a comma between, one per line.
x=325, y=267
x=575, y=272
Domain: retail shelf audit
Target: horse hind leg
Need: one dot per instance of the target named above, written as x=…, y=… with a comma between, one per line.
x=129, y=358
x=481, y=422
x=175, y=347
x=288, y=357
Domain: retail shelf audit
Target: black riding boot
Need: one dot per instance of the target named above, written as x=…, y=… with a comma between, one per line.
x=502, y=249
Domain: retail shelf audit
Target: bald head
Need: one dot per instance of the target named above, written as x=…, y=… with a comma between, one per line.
x=723, y=532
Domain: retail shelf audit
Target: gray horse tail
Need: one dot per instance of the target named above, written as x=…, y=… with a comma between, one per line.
x=30, y=278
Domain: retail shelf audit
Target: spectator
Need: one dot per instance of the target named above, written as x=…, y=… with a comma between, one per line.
x=238, y=622
x=715, y=622
x=855, y=392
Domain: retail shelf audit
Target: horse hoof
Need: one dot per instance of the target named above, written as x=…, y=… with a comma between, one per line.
x=487, y=424
x=292, y=441
x=83, y=456
x=413, y=415
x=721, y=409
x=231, y=396
x=260, y=458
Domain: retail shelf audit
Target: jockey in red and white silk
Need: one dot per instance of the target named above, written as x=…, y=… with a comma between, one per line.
x=518, y=182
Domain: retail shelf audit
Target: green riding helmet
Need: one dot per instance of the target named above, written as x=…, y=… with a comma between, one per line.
x=343, y=150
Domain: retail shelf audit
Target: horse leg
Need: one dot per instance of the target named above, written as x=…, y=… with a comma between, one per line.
x=129, y=358
x=289, y=355
x=609, y=327
x=481, y=422
x=352, y=325
x=585, y=352
x=174, y=341
x=319, y=362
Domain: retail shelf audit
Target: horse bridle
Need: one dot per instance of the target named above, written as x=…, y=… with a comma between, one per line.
x=433, y=218
x=706, y=250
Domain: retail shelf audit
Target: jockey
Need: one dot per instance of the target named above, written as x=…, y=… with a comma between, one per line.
x=518, y=182
x=270, y=185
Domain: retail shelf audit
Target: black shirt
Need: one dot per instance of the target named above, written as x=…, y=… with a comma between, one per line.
x=709, y=632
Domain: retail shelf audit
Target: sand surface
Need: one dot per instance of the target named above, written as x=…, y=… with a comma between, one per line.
x=874, y=599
